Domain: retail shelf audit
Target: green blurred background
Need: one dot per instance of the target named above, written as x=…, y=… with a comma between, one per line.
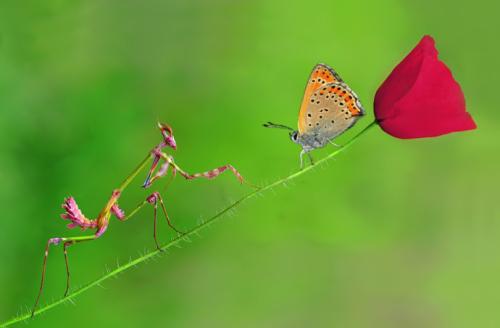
x=393, y=233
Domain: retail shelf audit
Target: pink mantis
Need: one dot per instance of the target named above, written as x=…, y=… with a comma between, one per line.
x=100, y=224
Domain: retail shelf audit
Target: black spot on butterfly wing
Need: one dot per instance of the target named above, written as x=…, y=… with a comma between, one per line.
x=330, y=124
x=327, y=69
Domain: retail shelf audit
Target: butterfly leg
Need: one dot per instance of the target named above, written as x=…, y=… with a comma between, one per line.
x=310, y=158
x=333, y=143
x=302, y=158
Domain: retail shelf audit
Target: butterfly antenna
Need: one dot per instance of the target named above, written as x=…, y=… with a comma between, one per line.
x=277, y=126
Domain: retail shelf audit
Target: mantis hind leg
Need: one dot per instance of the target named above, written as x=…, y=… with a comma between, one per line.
x=56, y=241
x=68, y=243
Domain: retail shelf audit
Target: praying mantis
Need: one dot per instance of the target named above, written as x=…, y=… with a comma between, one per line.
x=101, y=223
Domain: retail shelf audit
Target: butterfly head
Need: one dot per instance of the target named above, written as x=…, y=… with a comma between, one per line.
x=294, y=136
x=168, y=135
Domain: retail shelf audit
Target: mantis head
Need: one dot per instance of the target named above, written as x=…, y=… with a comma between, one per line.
x=168, y=135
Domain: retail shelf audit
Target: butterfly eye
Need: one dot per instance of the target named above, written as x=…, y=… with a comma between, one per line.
x=294, y=136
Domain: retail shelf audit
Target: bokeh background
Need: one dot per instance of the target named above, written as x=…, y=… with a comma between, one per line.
x=392, y=233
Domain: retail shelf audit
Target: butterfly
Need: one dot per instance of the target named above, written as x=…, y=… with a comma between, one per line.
x=329, y=107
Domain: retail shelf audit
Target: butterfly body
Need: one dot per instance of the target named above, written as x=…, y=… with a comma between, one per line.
x=328, y=109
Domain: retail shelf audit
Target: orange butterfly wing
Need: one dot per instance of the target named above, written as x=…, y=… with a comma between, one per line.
x=320, y=75
x=333, y=109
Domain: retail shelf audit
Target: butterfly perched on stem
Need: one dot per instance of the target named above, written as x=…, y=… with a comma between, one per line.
x=329, y=108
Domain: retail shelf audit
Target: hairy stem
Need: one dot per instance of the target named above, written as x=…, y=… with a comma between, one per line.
x=181, y=238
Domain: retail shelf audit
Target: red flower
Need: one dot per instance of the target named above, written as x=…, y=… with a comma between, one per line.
x=420, y=98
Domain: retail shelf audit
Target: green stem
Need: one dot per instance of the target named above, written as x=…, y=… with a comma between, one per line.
x=178, y=239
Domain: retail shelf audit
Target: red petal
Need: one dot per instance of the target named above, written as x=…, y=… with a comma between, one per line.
x=420, y=98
